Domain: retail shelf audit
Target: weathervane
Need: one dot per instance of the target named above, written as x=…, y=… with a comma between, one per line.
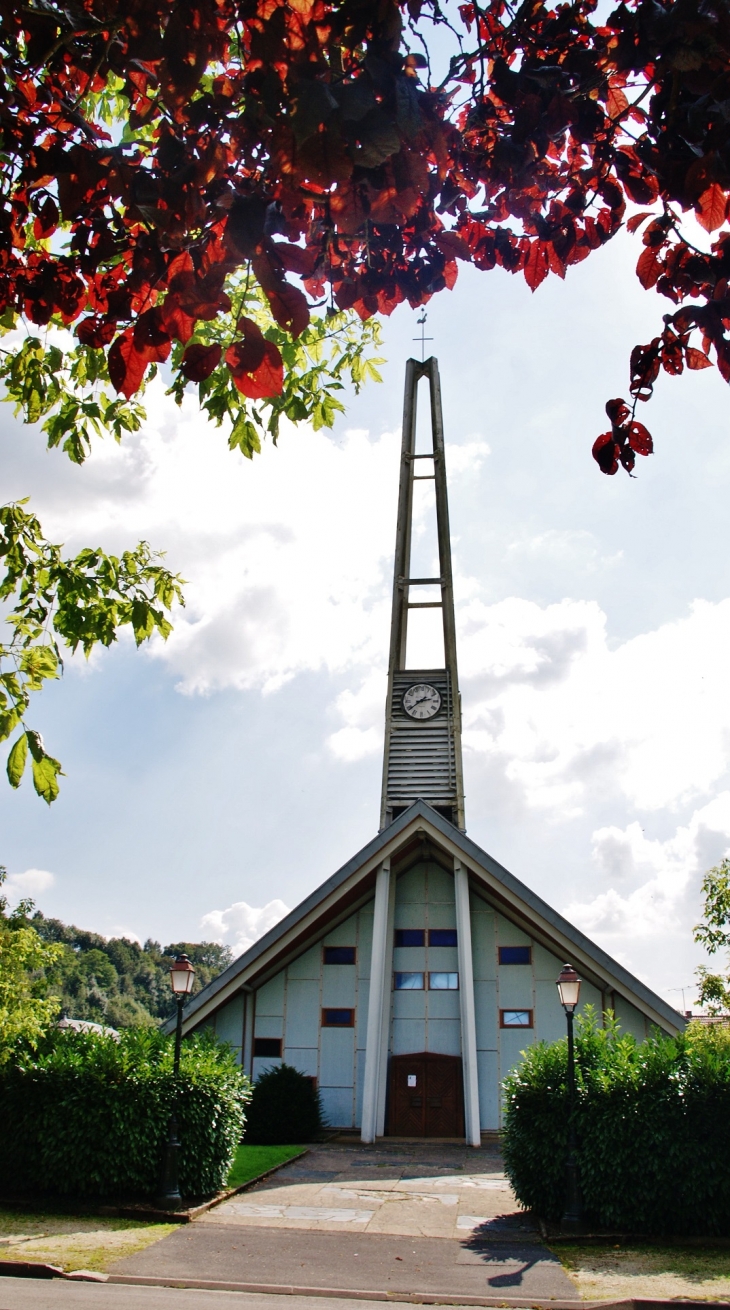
x=423, y=339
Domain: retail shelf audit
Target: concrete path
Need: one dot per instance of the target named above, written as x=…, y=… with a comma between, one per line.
x=365, y=1218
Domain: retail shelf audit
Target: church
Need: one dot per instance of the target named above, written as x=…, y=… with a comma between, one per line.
x=409, y=982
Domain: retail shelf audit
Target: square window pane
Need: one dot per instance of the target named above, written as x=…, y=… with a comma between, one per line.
x=338, y=1018
x=516, y=1018
x=442, y=936
x=270, y=1046
x=515, y=955
x=339, y=954
x=408, y=982
x=443, y=982
x=410, y=937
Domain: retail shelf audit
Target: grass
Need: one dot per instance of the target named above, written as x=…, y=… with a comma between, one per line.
x=74, y=1242
x=253, y=1160
x=694, y=1272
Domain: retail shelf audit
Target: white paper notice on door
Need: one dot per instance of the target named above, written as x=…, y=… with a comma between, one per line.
x=411, y=1080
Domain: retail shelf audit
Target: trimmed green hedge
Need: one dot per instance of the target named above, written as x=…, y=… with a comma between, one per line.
x=653, y=1127
x=285, y=1107
x=88, y=1115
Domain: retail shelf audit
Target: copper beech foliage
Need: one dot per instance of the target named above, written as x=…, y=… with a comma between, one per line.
x=313, y=138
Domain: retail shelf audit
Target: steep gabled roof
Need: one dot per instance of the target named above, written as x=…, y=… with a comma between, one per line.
x=353, y=885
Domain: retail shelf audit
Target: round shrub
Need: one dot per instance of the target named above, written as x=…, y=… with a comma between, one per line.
x=285, y=1107
x=90, y=1114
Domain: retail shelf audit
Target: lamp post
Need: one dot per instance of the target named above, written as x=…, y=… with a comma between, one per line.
x=182, y=977
x=569, y=993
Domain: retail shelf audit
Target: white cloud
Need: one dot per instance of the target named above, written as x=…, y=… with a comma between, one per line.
x=363, y=712
x=31, y=884
x=241, y=925
x=466, y=458
x=660, y=904
x=648, y=720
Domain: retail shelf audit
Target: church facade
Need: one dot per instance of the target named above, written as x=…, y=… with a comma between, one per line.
x=410, y=981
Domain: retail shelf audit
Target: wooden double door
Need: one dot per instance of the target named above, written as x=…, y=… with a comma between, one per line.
x=426, y=1096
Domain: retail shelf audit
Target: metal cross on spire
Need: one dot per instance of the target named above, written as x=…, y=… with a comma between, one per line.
x=423, y=338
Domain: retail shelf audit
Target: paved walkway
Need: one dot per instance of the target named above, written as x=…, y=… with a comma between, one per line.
x=365, y=1218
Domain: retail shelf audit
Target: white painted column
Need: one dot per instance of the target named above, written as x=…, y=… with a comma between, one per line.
x=468, y=1014
x=373, y=1039
x=385, y=1018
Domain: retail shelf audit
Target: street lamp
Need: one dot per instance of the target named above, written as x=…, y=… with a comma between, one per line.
x=569, y=993
x=182, y=978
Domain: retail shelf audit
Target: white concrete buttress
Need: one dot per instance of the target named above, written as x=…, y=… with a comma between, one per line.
x=379, y=963
x=466, y=998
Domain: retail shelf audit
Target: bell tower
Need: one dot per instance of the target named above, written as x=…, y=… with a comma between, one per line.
x=422, y=759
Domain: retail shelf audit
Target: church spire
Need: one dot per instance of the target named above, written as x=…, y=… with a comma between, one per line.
x=423, y=712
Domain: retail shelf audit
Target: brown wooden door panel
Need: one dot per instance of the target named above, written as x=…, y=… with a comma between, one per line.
x=433, y=1104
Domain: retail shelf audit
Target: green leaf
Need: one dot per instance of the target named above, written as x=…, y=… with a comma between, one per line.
x=17, y=760
x=45, y=777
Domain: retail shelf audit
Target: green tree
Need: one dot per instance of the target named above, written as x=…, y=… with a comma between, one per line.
x=714, y=934
x=26, y=1011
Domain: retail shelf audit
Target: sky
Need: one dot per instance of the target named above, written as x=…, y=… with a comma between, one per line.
x=213, y=781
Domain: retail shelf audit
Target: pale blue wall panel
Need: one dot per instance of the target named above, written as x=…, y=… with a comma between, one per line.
x=270, y=997
x=261, y=1064
x=508, y=934
x=409, y=1035
x=546, y=965
x=409, y=959
x=345, y=934
x=549, y=1013
x=630, y=1019
x=512, y=1043
x=412, y=885
x=444, y=959
x=444, y=1036
x=269, y=1025
x=443, y=1005
x=303, y=1058
x=337, y=1106
x=307, y=965
x=364, y=940
x=337, y=1057
x=409, y=1005
x=361, y=1014
x=483, y=941
x=409, y=914
x=488, y=1090
x=590, y=995
x=515, y=986
x=229, y=1024
x=440, y=885
x=485, y=1006
x=338, y=984
x=302, y=1012
x=441, y=914
x=360, y=1079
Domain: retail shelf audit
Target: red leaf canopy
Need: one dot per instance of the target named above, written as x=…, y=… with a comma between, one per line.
x=305, y=138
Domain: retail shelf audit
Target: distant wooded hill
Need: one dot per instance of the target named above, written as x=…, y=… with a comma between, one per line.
x=117, y=981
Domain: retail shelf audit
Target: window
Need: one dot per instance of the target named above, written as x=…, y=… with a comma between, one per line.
x=408, y=982
x=339, y=954
x=338, y=1018
x=515, y=1018
x=515, y=955
x=442, y=936
x=270, y=1046
x=443, y=982
x=410, y=937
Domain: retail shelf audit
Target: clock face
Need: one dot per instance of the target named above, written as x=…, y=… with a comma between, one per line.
x=421, y=701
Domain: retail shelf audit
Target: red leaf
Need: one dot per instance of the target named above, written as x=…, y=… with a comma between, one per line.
x=296, y=259
x=648, y=268
x=199, y=361
x=640, y=439
x=452, y=245
x=537, y=264
x=618, y=411
x=712, y=205
x=47, y=219
x=266, y=379
x=288, y=304
x=95, y=332
x=616, y=102
x=637, y=219
x=605, y=453
x=696, y=358
x=126, y=364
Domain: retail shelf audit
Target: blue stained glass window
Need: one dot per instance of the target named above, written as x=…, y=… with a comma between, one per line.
x=338, y=1018
x=408, y=982
x=443, y=982
x=410, y=937
x=339, y=954
x=515, y=955
x=442, y=936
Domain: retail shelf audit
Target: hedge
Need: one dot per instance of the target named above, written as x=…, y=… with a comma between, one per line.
x=653, y=1126
x=88, y=1115
x=285, y=1107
